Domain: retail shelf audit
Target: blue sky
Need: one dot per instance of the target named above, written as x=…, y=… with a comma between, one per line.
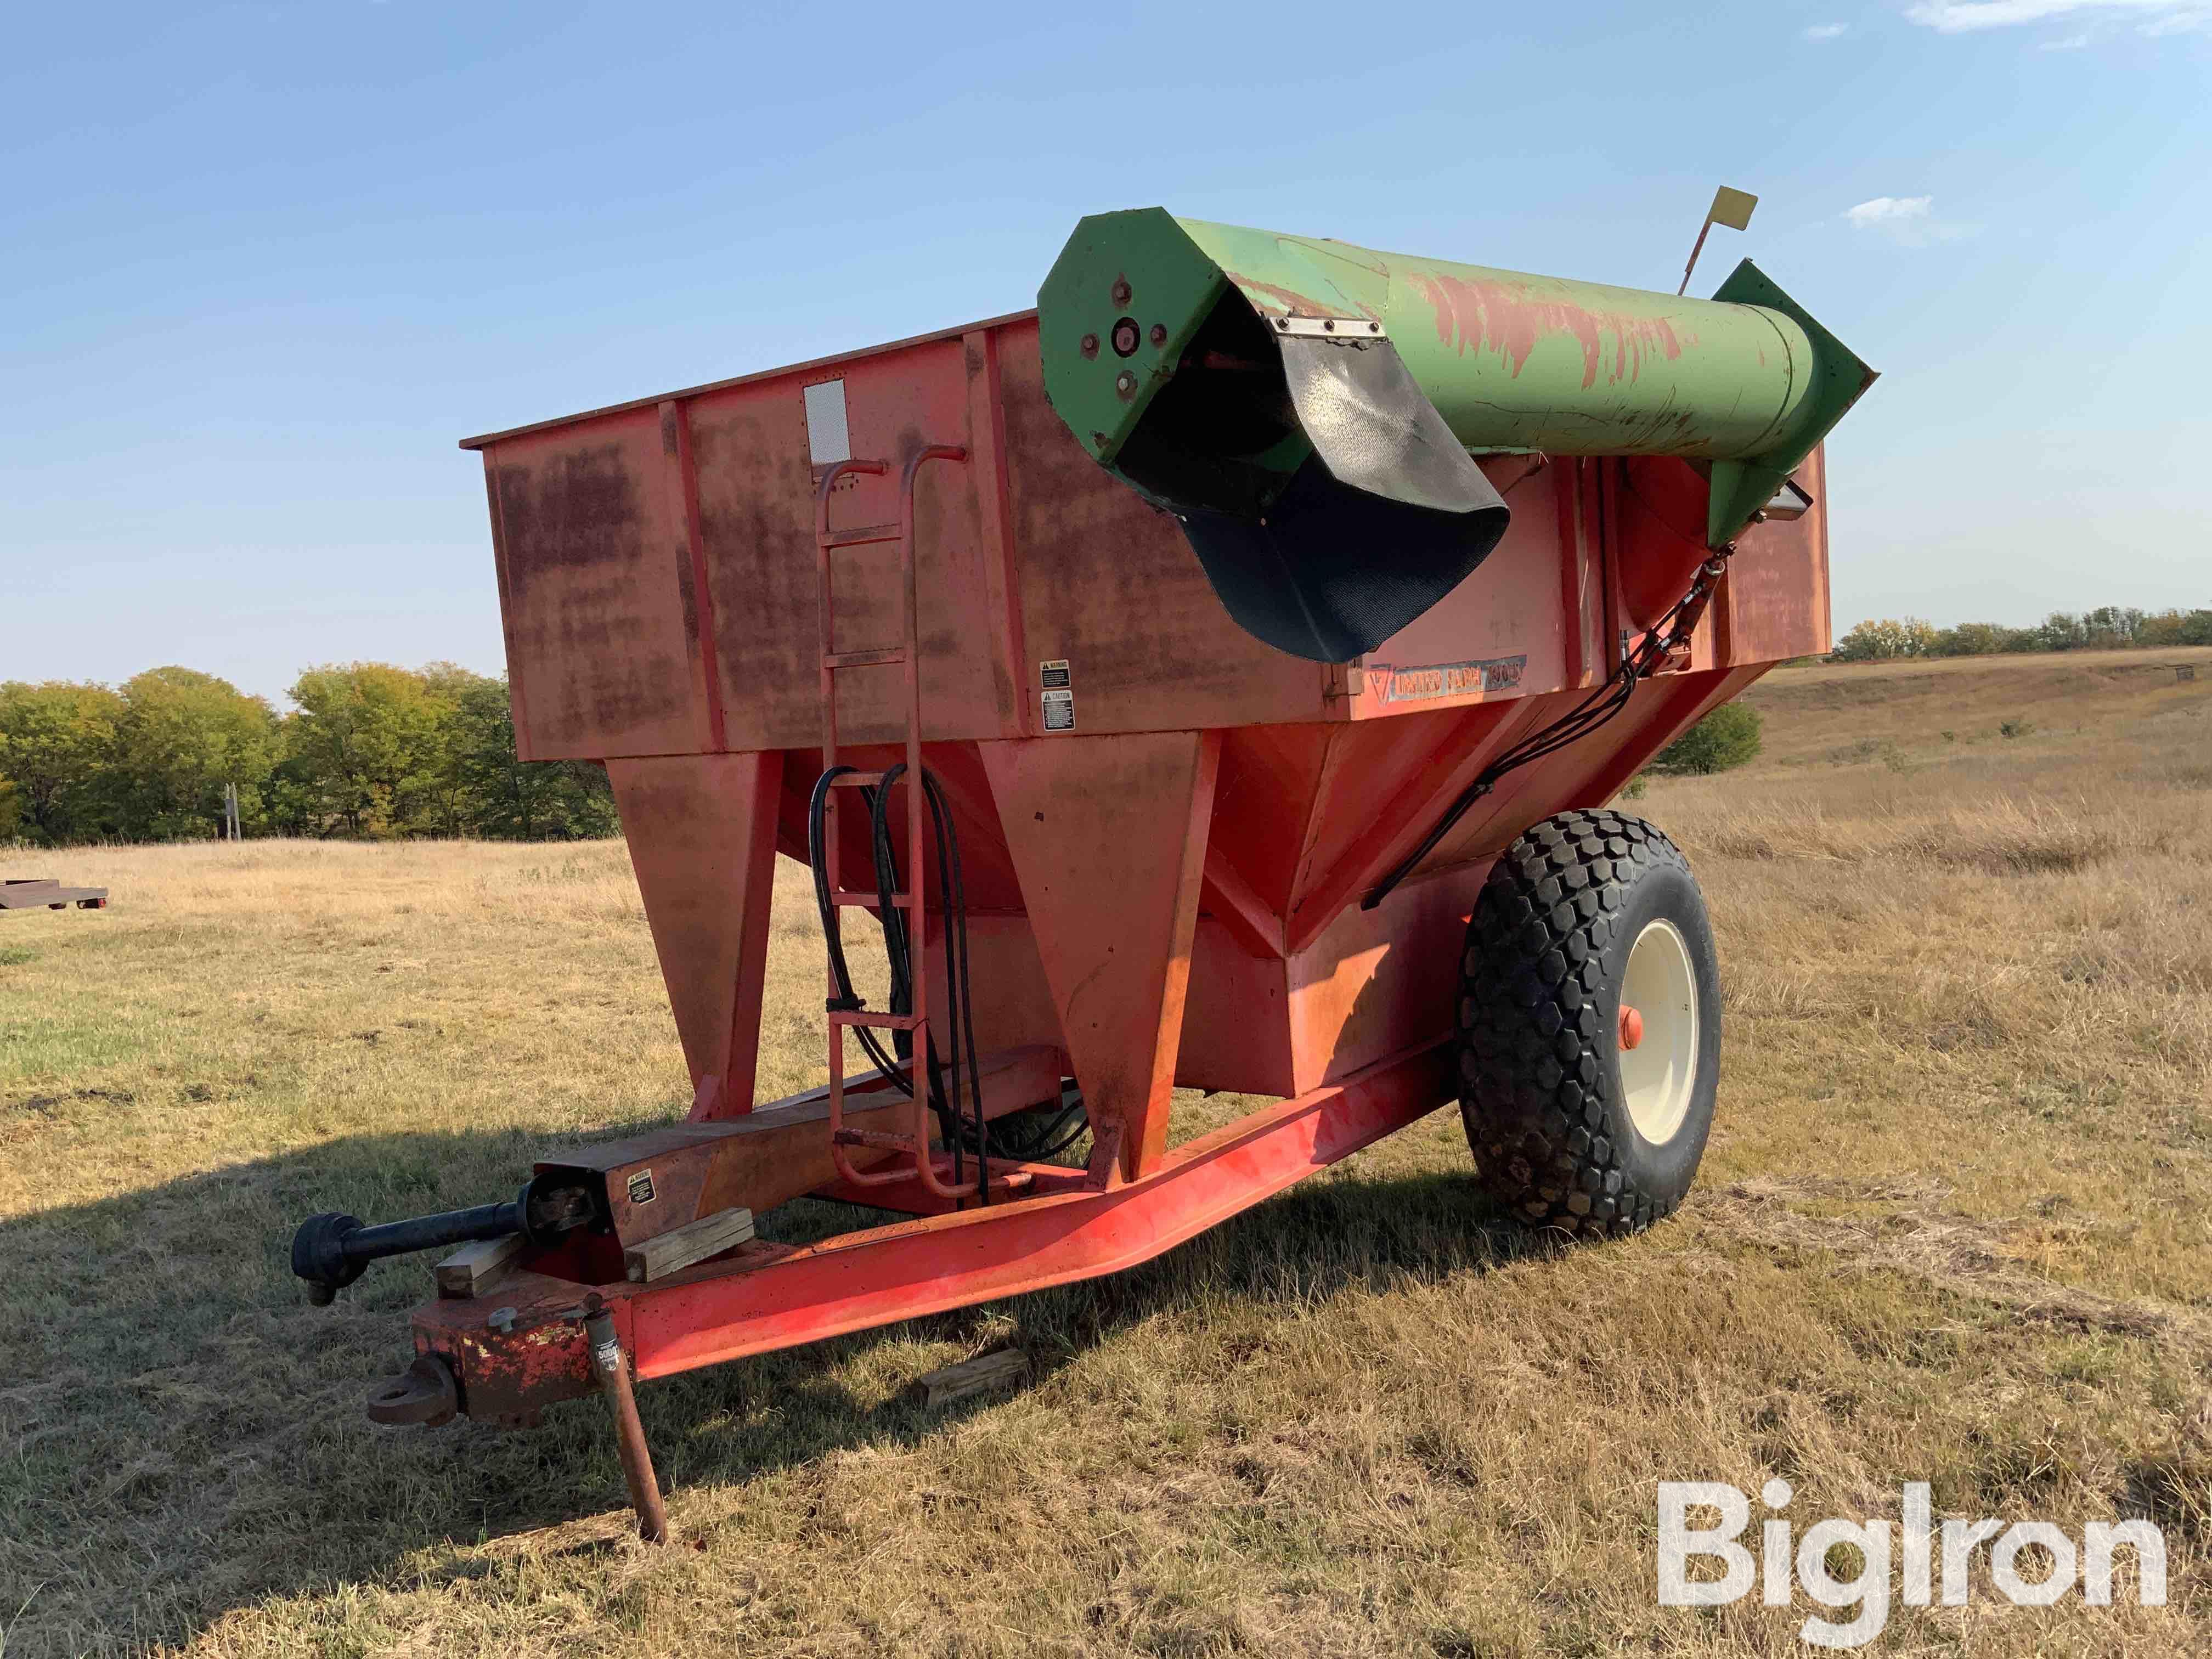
x=260, y=265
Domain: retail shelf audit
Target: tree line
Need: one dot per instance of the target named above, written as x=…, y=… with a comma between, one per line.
x=2108, y=628
x=370, y=751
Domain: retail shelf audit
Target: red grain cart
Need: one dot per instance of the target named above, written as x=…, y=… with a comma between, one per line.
x=1155, y=848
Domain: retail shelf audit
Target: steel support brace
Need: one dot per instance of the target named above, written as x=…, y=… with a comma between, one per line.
x=1108, y=835
x=701, y=831
x=517, y=1348
x=917, y=1267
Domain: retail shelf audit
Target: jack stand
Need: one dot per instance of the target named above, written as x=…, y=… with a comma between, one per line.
x=613, y=1368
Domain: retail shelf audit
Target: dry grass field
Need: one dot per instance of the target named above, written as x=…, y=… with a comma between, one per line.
x=1955, y=1226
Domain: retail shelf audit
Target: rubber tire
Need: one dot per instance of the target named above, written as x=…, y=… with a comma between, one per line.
x=1539, y=1026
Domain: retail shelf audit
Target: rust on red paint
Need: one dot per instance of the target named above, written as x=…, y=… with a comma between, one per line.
x=1500, y=317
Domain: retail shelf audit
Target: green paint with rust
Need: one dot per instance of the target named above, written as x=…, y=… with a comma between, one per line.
x=1745, y=381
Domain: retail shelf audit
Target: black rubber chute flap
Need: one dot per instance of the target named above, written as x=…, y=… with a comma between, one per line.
x=1331, y=572
x=1387, y=516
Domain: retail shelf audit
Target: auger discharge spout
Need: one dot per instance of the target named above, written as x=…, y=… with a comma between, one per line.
x=1311, y=410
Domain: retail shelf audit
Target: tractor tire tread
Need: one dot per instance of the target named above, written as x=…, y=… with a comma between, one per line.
x=1530, y=1011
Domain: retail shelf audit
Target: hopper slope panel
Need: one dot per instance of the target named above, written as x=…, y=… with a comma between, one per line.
x=595, y=585
x=756, y=483
x=986, y=865
x=1387, y=781
x=1108, y=584
x=1264, y=796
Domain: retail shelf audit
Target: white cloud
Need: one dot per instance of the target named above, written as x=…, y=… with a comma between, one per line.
x=2067, y=42
x=1967, y=16
x=1820, y=31
x=1908, y=220
x=1889, y=210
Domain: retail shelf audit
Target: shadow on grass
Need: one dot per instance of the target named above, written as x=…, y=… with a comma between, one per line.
x=180, y=1435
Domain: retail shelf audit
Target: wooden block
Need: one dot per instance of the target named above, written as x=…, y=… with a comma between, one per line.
x=1002, y=1369
x=470, y=1269
x=685, y=1246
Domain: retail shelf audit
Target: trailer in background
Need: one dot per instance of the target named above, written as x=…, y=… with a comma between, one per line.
x=43, y=893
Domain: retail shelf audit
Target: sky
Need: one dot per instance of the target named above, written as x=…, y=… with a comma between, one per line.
x=262, y=265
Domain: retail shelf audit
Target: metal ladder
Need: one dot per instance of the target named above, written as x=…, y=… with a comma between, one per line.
x=915, y=1141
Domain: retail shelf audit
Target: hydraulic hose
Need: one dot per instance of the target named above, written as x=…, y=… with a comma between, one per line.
x=1669, y=632
x=958, y=1106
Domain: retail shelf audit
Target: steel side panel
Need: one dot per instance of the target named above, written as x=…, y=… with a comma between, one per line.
x=600, y=536
x=756, y=515
x=597, y=593
x=1777, y=582
x=1504, y=622
x=1236, y=1020
x=1378, y=981
x=1108, y=585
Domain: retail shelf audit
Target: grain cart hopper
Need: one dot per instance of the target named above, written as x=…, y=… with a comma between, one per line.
x=1271, y=621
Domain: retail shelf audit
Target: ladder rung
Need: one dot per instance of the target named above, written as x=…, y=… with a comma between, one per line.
x=899, y=900
x=891, y=653
x=856, y=781
x=862, y=535
x=881, y=1022
x=1003, y=1180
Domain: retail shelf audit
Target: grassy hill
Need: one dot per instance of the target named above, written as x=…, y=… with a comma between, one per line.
x=1828, y=713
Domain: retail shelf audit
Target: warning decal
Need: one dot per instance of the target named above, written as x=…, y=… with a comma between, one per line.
x=641, y=1186
x=1053, y=676
x=1060, y=711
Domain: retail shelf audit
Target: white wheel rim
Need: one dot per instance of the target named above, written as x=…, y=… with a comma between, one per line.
x=1660, y=1074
